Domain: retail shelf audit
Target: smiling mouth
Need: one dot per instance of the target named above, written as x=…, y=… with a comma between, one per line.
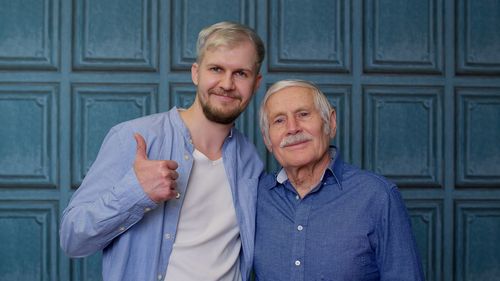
x=224, y=94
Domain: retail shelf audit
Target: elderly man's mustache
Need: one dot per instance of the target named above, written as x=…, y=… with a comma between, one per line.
x=294, y=139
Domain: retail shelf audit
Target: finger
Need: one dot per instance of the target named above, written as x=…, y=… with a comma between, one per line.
x=172, y=165
x=141, y=147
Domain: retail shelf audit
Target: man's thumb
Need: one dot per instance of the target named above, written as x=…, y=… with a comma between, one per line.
x=141, y=147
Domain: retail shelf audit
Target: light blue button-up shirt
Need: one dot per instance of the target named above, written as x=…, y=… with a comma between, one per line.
x=111, y=212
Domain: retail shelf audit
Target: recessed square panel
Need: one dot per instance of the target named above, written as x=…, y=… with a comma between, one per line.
x=97, y=108
x=403, y=139
x=427, y=225
x=29, y=250
x=29, y=35
x=478, y=140
x=28, y=146
x=296, y=42
x=403, y=36
x=116, y=35
x=478, y=37
x=476, y=246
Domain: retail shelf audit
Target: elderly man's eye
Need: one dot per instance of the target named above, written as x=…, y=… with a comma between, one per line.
x=278, y=121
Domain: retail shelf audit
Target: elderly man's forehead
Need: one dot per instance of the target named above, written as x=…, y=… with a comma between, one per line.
x=298, y=88
x=281, y=98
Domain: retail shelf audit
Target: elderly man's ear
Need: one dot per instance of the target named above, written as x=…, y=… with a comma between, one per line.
x=266, y=142
x=333, y=123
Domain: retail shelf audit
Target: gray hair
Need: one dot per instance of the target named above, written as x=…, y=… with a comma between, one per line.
x=228, y=34
x=320, y=101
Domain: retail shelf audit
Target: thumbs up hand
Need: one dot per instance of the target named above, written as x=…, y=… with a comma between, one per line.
x=156, y=177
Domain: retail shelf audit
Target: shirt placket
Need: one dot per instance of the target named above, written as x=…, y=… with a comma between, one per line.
x=299, y=241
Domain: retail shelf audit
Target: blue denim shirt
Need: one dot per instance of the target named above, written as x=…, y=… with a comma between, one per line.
x=111, y=212
x=352, y=226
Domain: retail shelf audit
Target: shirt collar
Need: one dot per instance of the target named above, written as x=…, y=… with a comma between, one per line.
x=335, y=168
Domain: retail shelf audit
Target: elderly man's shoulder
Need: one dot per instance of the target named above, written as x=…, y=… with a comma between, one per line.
x=267, y=180
x=365, y=179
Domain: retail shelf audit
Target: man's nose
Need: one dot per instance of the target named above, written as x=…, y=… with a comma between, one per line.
x=227, y=82
x=292, y=126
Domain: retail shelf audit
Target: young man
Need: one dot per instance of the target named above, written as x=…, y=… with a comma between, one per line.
x=171, y=196
x=320, y=218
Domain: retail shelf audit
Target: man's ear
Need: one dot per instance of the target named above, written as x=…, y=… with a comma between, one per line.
x=258, y=79
x=333, y=123
x=194, y=73
x=266, y=142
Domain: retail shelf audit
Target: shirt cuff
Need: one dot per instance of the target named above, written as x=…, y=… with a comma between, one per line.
x=133, y=198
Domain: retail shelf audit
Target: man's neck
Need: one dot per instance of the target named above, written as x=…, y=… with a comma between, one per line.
x=305, y=178
x=207, y=136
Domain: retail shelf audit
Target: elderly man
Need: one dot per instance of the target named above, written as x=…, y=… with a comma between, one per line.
x=319, y=218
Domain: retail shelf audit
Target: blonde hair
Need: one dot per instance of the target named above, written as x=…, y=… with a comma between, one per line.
x=228, y=34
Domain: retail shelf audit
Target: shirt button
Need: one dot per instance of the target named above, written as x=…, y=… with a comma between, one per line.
x=160, y=277
x=178, y=195
x=167, y=236
x=122, y=228
x=147, y=210
x=297, y=197
x=186, y=157
x=300, y=227
x=297, y=263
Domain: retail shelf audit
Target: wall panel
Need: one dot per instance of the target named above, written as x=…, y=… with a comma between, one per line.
x=97, y=108
x=29, y=37
x=478, y=35
x=397, y=117
x=28, y=244
x=478, y=136
x=116, y=35
x=403, y=36
x=297, y=44
x=29, y=140
x=427, y=223
x=477, y=248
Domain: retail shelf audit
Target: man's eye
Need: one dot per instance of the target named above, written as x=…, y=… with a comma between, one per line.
x=215, y=69
x=241, y=74
x=303, y=114
x=279, y=121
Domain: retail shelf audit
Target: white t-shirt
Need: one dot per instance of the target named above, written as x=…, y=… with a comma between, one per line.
x=207, y=244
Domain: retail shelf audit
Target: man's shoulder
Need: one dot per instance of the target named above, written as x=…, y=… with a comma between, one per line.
x=366, y=179
x=266, y=182
x=144, y=122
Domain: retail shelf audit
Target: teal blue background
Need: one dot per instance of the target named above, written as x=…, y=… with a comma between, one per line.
x=416, y=84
